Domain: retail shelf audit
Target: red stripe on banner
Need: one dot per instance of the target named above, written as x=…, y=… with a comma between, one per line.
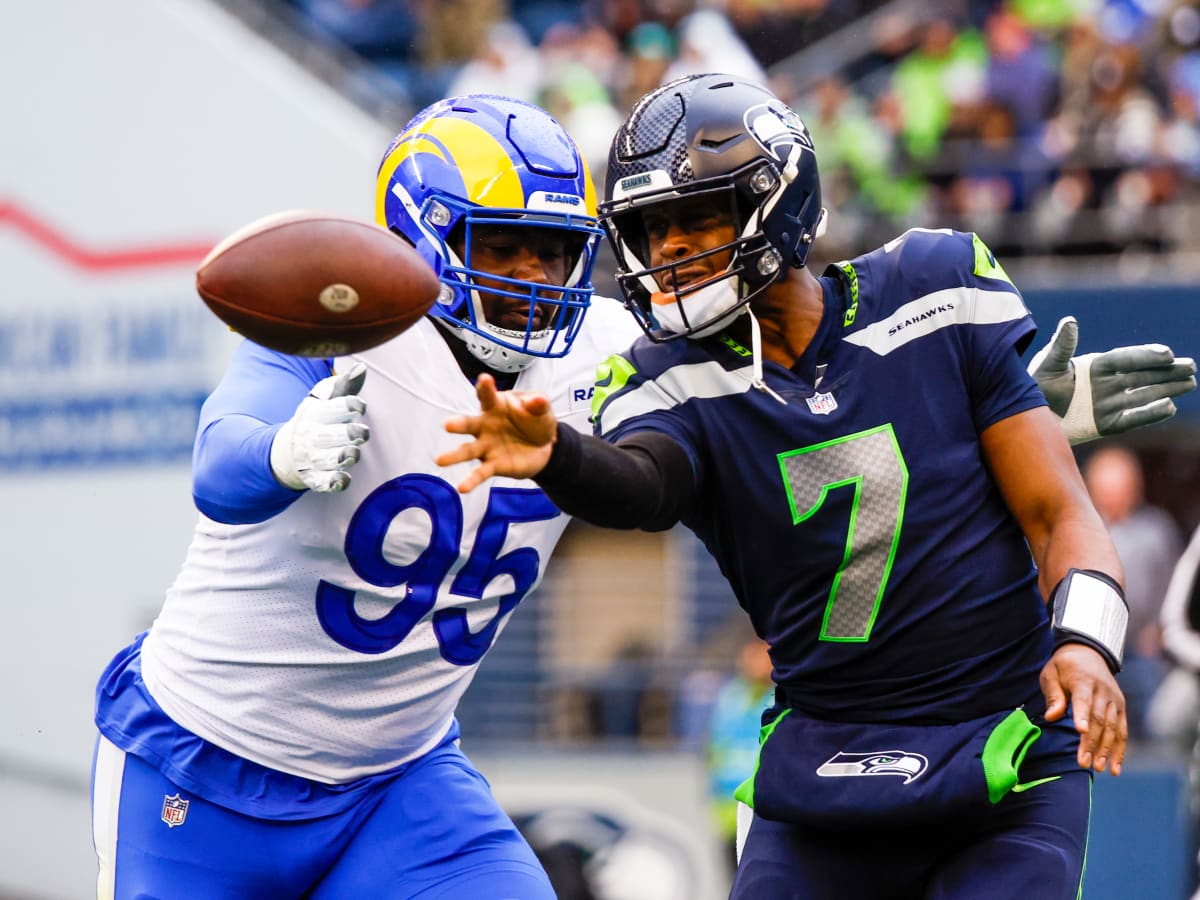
x=100, y=261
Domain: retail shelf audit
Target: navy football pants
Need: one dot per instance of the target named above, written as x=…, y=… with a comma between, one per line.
x=1031, y=846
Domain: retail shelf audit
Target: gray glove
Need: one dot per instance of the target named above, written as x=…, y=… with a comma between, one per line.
x=315, y=446
x=1102, y=394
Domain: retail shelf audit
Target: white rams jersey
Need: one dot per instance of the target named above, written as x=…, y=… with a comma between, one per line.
x=333, y=640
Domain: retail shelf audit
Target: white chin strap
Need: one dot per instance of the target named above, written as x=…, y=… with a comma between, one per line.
x=756, y=357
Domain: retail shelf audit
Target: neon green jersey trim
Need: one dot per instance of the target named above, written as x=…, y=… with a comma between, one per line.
x=734, y=345
x=852, y=309
x=986, y=265
x=745, y=790
x=611, y=375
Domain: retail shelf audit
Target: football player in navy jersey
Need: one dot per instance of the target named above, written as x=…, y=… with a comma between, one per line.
x=881, y=481
x=286, y=728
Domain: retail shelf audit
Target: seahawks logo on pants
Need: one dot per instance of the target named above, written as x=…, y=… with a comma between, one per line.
x=908, y=766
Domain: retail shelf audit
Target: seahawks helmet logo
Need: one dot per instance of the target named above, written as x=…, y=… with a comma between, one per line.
x=907, y=765
x=777, y=128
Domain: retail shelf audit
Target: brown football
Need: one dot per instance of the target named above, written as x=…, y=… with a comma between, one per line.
x=316, y=284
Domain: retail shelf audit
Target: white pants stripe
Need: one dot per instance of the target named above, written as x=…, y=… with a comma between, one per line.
x=745, y=816
x=106, y=797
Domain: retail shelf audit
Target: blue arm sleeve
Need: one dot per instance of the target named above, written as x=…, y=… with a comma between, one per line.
x=232, y=481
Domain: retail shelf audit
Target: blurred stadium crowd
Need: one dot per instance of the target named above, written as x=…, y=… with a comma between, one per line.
x=1063, y=127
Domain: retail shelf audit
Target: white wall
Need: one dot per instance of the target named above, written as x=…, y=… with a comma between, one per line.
x=133, y=135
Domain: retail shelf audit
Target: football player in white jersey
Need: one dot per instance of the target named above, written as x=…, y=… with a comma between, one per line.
x=286, y=726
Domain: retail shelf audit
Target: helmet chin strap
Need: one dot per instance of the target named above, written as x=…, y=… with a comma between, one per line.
x=756, y=357
x=493, y=355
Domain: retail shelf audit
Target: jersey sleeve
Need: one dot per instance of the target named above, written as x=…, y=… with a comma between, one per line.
x=627, y=401
x=1001, y=388
x=1002, y=328
x=232, y=481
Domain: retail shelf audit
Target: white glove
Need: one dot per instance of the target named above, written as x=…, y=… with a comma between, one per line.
x=315, y=446
x=1102, y=394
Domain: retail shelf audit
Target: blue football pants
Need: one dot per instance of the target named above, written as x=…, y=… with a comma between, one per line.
x=1030, y=846
x=434, y=832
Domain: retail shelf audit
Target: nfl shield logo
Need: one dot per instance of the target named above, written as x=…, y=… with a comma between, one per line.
x=821, y=404
x=174, y=810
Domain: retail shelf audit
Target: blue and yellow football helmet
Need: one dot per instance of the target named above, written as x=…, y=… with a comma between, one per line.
x=483, y=160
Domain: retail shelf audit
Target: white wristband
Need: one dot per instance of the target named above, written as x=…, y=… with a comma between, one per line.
x=1089, y=608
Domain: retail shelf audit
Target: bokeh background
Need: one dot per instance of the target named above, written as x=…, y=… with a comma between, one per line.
x=623, y=695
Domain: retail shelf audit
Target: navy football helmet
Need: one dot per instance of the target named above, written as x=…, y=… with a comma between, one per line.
x=737, y=144
x=483, y=160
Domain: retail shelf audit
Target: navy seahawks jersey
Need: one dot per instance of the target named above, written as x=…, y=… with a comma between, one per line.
x=853, y=514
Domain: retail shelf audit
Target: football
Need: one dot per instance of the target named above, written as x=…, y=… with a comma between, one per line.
x=315, y=284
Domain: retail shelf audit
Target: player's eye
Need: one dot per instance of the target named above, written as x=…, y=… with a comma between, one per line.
x=497, y=246
x=552, y=251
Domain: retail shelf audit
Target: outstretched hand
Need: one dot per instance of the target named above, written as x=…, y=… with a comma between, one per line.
x=1102, y=394
x=1079, y=675
x=514, y=434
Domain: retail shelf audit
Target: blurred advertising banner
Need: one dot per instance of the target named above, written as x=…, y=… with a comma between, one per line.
x=107, y=354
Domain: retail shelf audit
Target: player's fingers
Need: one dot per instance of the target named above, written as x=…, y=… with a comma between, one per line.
x=535, y=404
x=328, y=482
x=330, y=458
x=1180, y=379
x=1122, y=743
x=1111, y=738
x=472, y=425
x=337, y=409
x=1063, y=343
x=485, y=390
x=349, y=383
x=1151, y=413
x=1103, y=732
x=1087, y=724
x=1127, y=359
x=1052, y=690
x=1081, y=714
x=462, y=453
x=477, y=477
x=1159, y=390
